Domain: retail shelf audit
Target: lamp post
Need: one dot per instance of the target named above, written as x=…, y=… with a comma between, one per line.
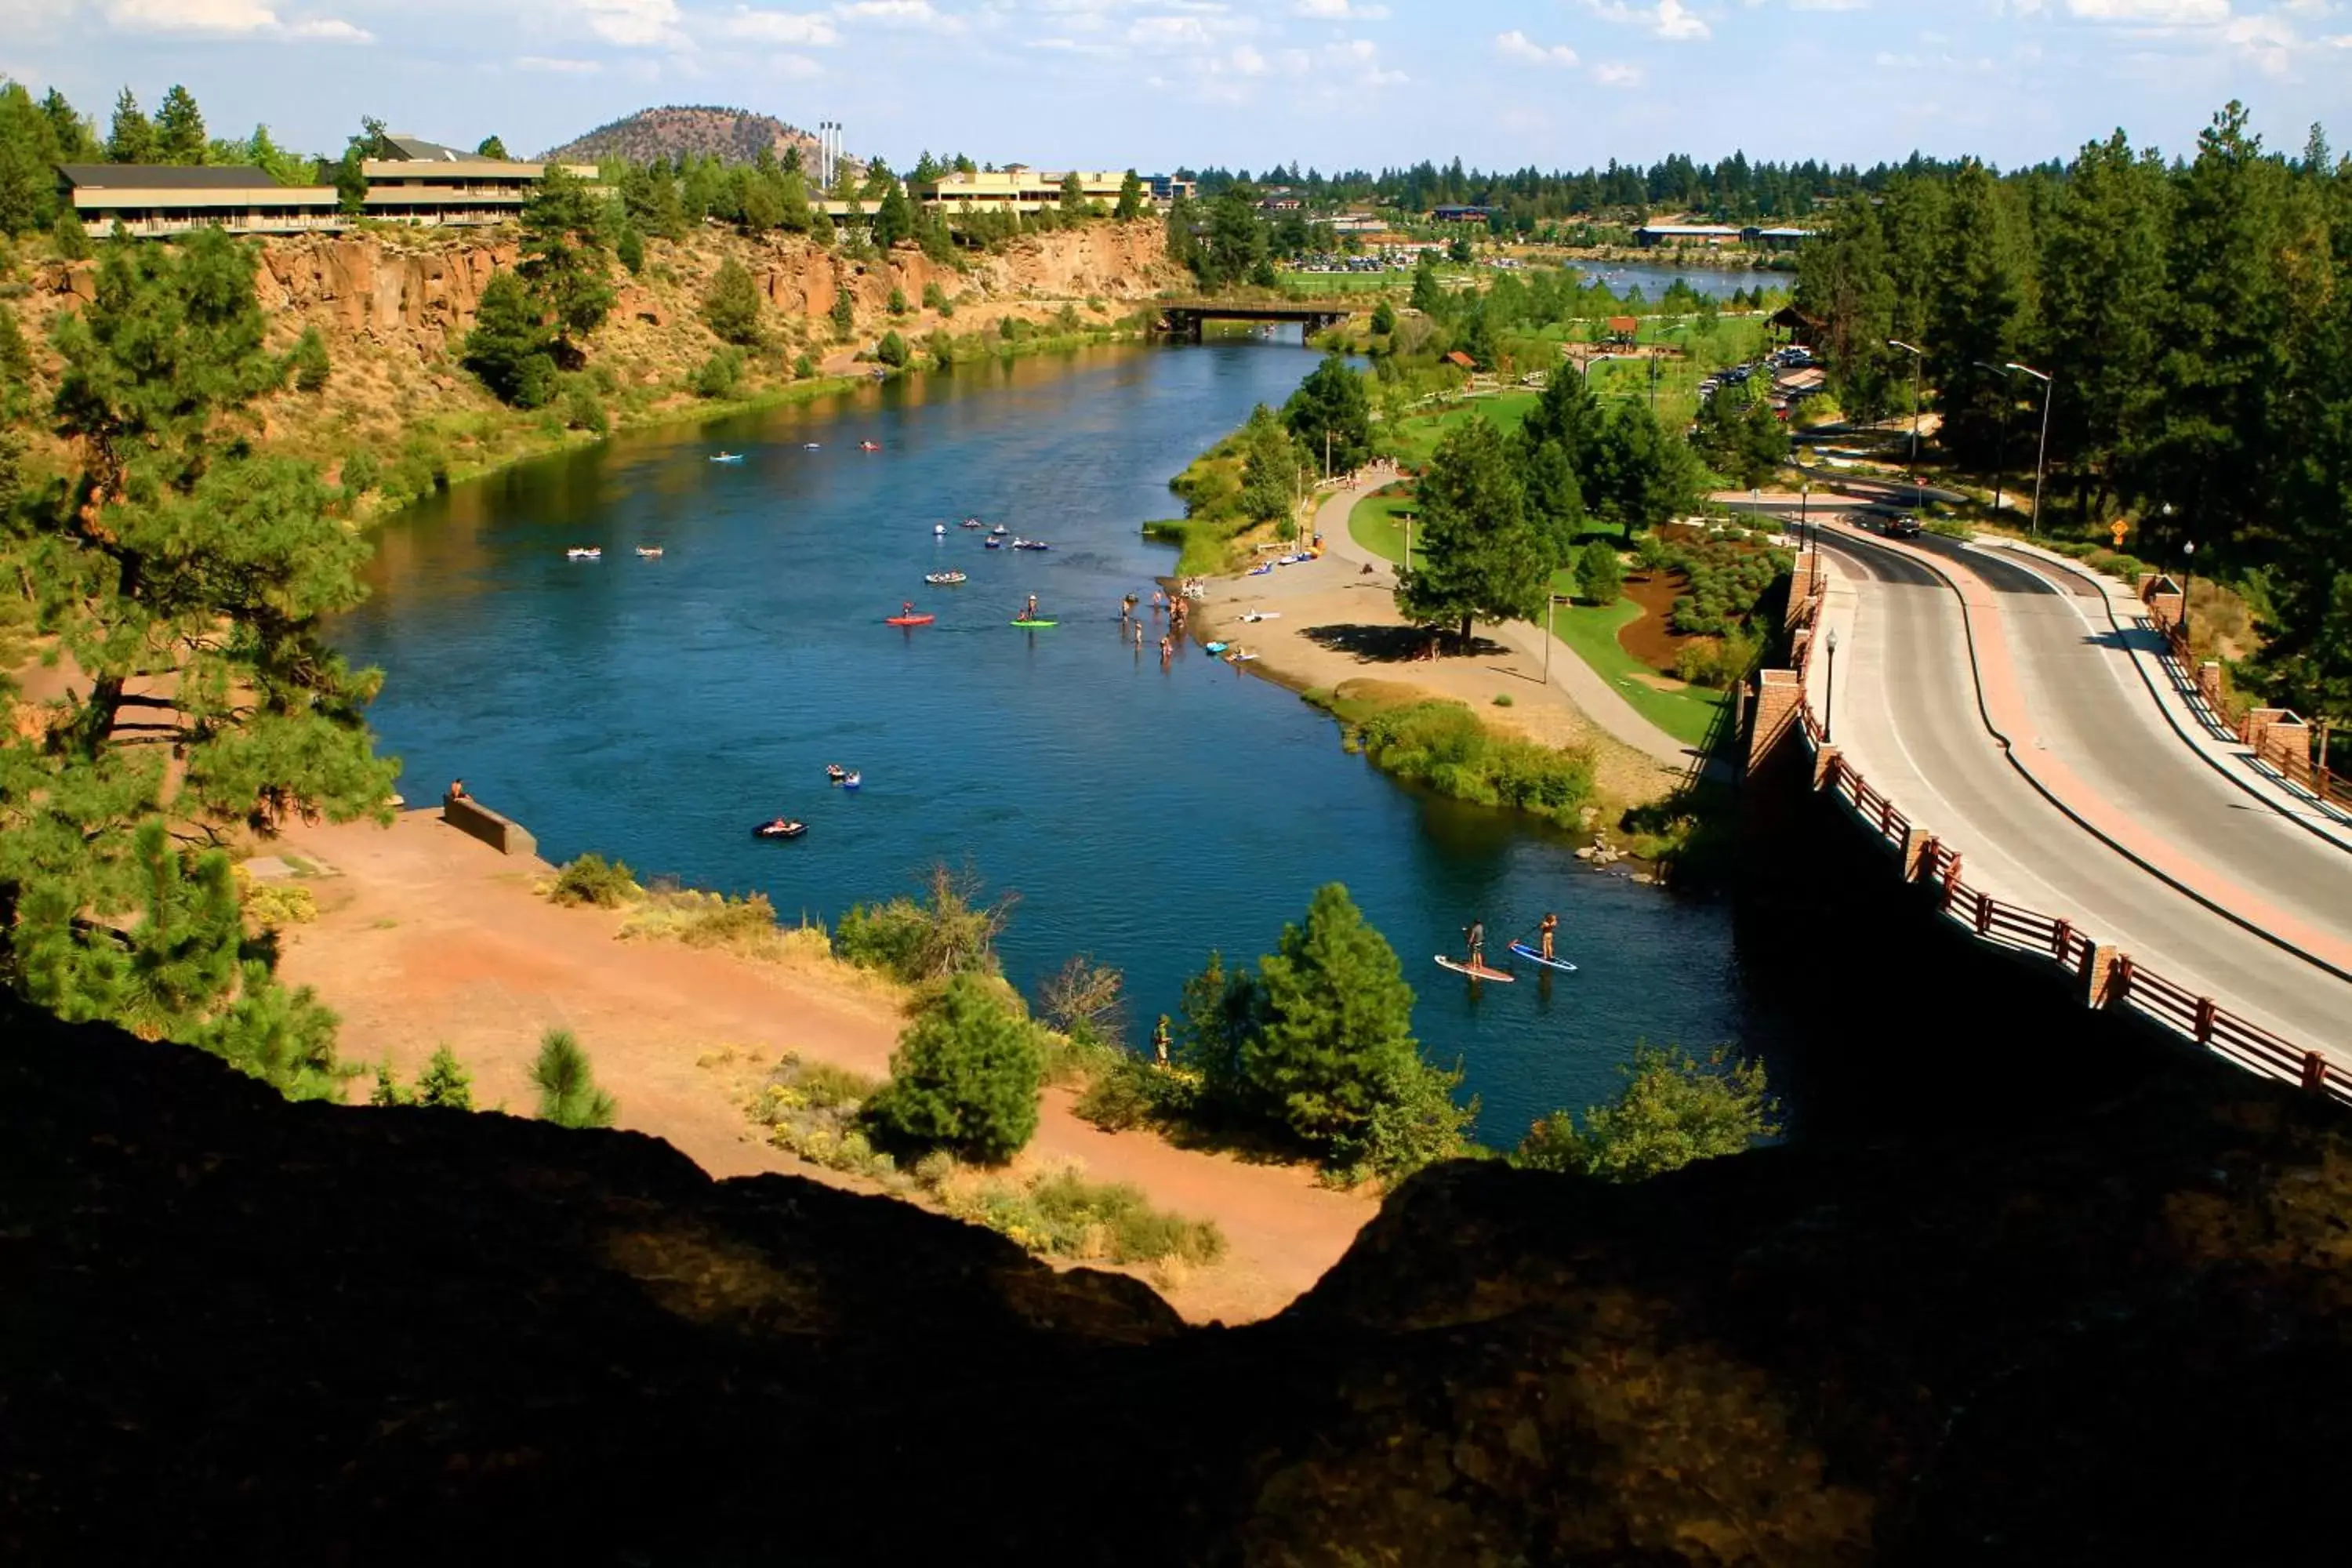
x=1804, y=515
x=1829, y=697
x=1918, y=358
x=2000, y=465
x=1550, y=599
x=2042, y=454
x=2187, y=578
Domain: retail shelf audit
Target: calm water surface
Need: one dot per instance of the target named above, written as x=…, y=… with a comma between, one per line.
x=655, y=710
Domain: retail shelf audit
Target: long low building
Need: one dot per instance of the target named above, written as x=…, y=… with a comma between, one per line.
x=1017, y=188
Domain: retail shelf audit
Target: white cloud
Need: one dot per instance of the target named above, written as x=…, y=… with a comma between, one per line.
x=2161, y=13
x=1193, y=30
x=1358, y=59
x=237, y=19
x=1829, y=5
x=1616, y=73
x=557, y=65
x=1248, y=61
x=2268, y=41
x=1339, y=11
x=1669, y=19
x=803, y=29
x=1519, y=47
x=794, y=67
x=634, y=24
x=916, y=15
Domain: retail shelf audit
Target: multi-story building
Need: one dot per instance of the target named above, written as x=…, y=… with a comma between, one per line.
x=1017, y=188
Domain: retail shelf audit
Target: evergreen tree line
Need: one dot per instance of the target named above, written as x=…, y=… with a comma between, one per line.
x=2195, y=317
x=1731, y=189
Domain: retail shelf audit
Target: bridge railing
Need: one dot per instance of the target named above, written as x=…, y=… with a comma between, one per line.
x=2111, y=979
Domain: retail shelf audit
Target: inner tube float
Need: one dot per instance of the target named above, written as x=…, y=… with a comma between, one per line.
x=835, y=773
x=782, y=827
x=943, y=579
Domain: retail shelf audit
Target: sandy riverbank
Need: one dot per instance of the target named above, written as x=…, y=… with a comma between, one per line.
x=427, y=937
x=1332, y=622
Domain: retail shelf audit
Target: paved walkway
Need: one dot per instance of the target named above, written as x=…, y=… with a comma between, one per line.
x=1592, y=696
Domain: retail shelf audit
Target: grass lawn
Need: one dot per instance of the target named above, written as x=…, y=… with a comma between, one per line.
x=1589, y=632
x=1412, y=439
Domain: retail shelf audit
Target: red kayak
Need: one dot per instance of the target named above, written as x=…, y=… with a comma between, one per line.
x=908, y=620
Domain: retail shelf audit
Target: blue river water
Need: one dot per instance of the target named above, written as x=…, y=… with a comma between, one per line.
x=653, y=709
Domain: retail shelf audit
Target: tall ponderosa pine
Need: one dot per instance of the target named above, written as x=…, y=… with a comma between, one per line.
x=1270, y=463
x=1333, y=1028
x=965, y=1076
x=511, y=347
x=185, y=579
x=131, y=137
x=1643, y=476
x=1847, y=281
x=564, y=259
x=72, y=132
x=180, y=127
x=29, y=151
x=1477, y=555
x=1130, y=199
x=894, y=220
x=1980, y=314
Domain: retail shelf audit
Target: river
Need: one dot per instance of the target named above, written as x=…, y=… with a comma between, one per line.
x=654, y=710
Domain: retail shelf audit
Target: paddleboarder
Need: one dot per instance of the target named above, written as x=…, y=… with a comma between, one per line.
x=1543, y=933
x=1031, y=613
x=1474, y=933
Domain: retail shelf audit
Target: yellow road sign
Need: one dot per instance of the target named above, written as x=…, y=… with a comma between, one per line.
x=2119, y=530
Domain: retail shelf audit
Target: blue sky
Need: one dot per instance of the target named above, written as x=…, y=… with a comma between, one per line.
x=1156, y=83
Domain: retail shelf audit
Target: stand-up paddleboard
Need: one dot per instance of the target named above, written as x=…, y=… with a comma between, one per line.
x=1474, y=971
x=1025, y=622
x=1532, y=956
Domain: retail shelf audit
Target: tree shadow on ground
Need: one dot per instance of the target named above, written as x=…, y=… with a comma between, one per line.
x=1396, y=645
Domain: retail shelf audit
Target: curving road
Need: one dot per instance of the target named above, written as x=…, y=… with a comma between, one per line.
x=1917, y=704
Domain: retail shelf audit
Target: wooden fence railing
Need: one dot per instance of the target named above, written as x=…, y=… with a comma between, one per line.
x=2049, y=937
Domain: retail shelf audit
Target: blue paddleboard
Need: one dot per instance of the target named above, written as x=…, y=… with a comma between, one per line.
x=1532, y=956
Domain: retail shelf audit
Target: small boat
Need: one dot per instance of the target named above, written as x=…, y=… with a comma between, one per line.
x=835, y=773
x=812, y=446
x=943, y=579
x=992, y=543
x=1000, y=531
x=908, y=620
x=780, y=827
x=584, y=552
x=649, y=551
x=727, y=457
x=851, y=781
x=869, y=445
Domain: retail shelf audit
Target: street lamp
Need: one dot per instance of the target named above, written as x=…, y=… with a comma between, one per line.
x=1829, y=697
x=1918, y=358
x=2042, y=455
x=1804, y=515
x=2009, y=400
x=1550, y=599
x=2188, y=577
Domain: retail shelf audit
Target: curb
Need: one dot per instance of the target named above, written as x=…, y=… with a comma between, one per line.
x=2008, y=750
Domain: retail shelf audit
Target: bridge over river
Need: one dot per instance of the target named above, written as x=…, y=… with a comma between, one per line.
x=1183, y=319
x=2021, y=737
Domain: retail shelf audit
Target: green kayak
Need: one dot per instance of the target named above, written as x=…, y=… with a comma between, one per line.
x=1026, y=623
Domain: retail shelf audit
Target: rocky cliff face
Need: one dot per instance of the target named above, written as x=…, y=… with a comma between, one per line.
x=238, y=1329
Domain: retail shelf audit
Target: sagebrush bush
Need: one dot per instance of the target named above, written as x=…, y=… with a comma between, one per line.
x=593, y=880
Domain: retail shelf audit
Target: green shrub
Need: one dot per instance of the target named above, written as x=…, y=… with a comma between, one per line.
x=707, y=920
x=568, y=1095
x=950, y=931
x=934, y=297
x=1598, y=577
x=1443, y=744
x=309, y=361
x=362, y=472
x=590, y=880
x=721, y=374
x=1674, y=1109
x=1502, y=699
x=445, y=1082
x=892, y=350
x=582, y=411
x=804, y=368
x=1132, y=1092
x=965, y=1078
x=897, y=303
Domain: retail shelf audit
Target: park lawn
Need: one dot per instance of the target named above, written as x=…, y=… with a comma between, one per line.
x=1412, y=439
x=1590, y=631
x=1318, y=285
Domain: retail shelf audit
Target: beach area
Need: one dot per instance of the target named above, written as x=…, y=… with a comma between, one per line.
x=427, y=937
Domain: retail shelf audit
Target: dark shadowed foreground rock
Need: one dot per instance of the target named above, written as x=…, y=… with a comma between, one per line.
x=233, y=1329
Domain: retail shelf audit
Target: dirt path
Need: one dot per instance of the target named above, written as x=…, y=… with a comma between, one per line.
x=425, y=936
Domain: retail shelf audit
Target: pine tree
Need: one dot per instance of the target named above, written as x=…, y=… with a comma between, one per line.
x=1643, y=477
x=1269, y=468
x=1074, y=195
x=1478, y=556
x=71, y=131
x=1599, y=576
x=894, y=221
x=1333, y=1024
x=568, y=1095
x=131, y=138
x=445, y=1082
x=843, y=313
x=1567, y=413
x=1979, y=315
x=308, y=362
x=491, y=147
x=171, y=534
x=1330, y=416
x=564, y=261
x=509, y=347
x=180, y=127
x=1130, y=199
x=965, y=1078
x=1672, y=1111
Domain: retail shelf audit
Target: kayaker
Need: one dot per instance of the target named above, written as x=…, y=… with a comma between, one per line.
x=1543, y=931
x=905, y=606
x=1474, y=935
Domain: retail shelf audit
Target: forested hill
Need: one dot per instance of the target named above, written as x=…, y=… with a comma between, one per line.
x=731, y=135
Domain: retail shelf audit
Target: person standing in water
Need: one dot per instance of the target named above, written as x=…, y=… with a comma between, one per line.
x=1543, y=932
x=1474, y=935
